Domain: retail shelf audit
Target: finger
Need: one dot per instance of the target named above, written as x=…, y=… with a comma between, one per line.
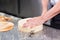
x=29, y=20
x=24, y=25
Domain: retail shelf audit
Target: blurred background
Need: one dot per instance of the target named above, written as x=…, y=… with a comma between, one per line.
x=9, y=6
x=30, y=8
x=22, y=8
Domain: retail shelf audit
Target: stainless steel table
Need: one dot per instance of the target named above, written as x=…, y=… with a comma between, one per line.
x=46, y=34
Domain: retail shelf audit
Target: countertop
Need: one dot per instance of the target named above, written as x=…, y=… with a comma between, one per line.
x=46, y=34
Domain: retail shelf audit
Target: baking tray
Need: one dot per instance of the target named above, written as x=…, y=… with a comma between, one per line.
x=46, y=34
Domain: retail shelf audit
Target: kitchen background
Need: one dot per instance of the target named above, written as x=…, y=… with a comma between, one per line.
x=22, y=8
x=25, y=8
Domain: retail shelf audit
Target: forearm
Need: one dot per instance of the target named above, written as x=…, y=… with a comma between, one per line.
x=44, y=6
x=52, y=12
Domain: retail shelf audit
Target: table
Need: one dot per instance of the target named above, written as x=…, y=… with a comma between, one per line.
x=46, y=34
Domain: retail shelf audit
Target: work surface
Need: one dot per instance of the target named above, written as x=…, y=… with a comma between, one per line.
x=46, y=34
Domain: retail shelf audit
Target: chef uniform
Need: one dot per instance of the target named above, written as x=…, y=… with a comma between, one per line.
x=55, y=21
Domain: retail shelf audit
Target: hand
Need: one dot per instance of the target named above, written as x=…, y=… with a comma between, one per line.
x=35, y=21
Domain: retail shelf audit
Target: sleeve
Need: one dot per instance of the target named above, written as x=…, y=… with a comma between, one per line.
x=53, y=2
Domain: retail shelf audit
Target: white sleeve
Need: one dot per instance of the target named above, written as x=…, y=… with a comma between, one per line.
x=53, y=1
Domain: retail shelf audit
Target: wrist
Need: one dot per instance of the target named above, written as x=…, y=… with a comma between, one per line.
x=43, y=10
x=42, y=19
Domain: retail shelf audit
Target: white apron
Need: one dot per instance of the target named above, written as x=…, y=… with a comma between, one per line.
x=53, y=2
